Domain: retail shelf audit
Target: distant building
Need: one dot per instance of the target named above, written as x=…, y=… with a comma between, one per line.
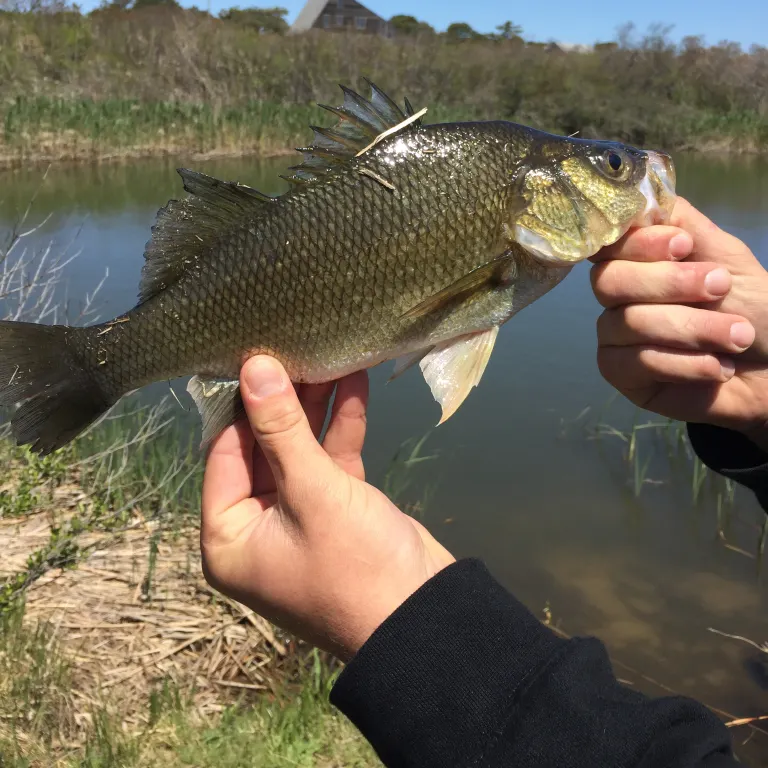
x=337, y=15
x=560, y=47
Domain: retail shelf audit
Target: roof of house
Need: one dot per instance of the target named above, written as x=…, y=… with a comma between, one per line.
x=308, y=15
x=312, y=10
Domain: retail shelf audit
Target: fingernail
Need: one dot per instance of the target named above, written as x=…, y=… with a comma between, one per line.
x=680, y=246
x=264, y=378
x=718, y=282
x=728, y=367
x=742, y=334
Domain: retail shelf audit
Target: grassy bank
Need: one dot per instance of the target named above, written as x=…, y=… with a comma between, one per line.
x=113, y=649
x=46, y=129
x=157, y=80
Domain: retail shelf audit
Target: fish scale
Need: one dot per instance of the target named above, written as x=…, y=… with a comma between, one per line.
x=418, y=248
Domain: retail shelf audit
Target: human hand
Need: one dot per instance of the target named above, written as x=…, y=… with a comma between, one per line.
x=291, y=529
x=685, y=330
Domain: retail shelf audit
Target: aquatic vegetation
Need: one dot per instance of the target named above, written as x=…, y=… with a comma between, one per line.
x=656, y=453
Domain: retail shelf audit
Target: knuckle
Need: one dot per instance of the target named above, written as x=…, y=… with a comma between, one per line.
x=632, y=317
x=283, y=417
x=606, y=281
x=683, y=282
x=709, y=367
x=604, y=324
x=645, y=240
x=707, y=326
x=607, y=364
x=655, y=362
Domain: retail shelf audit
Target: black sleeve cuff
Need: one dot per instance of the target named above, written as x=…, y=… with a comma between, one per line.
x=388, y=690
x=732, y=455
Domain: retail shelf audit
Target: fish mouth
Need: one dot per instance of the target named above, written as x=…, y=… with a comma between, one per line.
x=658, y=188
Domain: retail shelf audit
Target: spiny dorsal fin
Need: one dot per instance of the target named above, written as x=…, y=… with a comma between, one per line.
x=360, y=122
x=186, y=229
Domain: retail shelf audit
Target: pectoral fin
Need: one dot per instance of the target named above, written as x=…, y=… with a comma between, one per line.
x=498, y=271
x=219, y=404
x=453, y=367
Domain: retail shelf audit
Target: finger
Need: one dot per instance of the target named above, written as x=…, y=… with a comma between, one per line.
x=278, y=421
x=228, y=470
x=731, y=405
x=314, y=399
x=674, y=326
x=659, y=243
x=346, y=429
x=710, y=243
x=642, y=367
x=616, y=283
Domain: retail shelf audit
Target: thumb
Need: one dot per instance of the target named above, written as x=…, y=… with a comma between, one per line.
x=710, y=243
x=278, y=421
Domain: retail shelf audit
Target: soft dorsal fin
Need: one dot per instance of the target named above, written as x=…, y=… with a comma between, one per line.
x=360, y=122
x=185, y=229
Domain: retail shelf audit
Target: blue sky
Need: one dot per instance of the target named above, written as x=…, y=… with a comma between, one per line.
x=743, y=21
x=569, y=21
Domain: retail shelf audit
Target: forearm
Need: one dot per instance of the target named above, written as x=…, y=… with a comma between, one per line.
x=463, y=674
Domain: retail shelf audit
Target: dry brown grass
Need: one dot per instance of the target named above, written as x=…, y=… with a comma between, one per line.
x=127, y=623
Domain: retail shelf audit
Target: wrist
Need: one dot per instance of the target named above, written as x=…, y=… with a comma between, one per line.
x=758, y=436
x=374, y=612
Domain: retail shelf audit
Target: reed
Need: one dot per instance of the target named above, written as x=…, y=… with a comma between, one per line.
x=661, y=448
x=159, y=80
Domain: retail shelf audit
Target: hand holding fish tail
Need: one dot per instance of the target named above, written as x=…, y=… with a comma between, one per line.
x=289, y=526
x=685, y=329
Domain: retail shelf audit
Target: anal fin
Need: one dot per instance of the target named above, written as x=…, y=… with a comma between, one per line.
x=219, y=404
x=454, y=367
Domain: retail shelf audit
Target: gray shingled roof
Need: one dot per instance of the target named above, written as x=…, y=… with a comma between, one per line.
x=308, y=15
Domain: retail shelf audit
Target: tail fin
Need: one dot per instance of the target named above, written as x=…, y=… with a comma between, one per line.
x=59, y=398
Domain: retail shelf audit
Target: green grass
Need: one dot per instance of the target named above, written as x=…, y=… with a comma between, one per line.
x=85, y=127
x=297, y=726
x=36, y=127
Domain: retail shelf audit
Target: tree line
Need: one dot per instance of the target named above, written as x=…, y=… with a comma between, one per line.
x=643, y=88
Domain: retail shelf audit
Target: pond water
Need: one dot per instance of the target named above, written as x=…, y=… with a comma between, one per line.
x=622, y=549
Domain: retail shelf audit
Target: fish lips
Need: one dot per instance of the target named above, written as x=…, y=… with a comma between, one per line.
x=658, y=187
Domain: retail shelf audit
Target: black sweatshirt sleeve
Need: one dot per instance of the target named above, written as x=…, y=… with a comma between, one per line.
x=462, y=674
x=733, y=455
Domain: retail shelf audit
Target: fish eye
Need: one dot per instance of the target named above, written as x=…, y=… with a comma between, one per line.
x=615, y=164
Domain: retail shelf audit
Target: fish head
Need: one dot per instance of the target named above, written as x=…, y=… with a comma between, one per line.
x=576, y=196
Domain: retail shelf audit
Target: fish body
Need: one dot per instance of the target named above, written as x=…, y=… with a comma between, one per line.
x=418, y=247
